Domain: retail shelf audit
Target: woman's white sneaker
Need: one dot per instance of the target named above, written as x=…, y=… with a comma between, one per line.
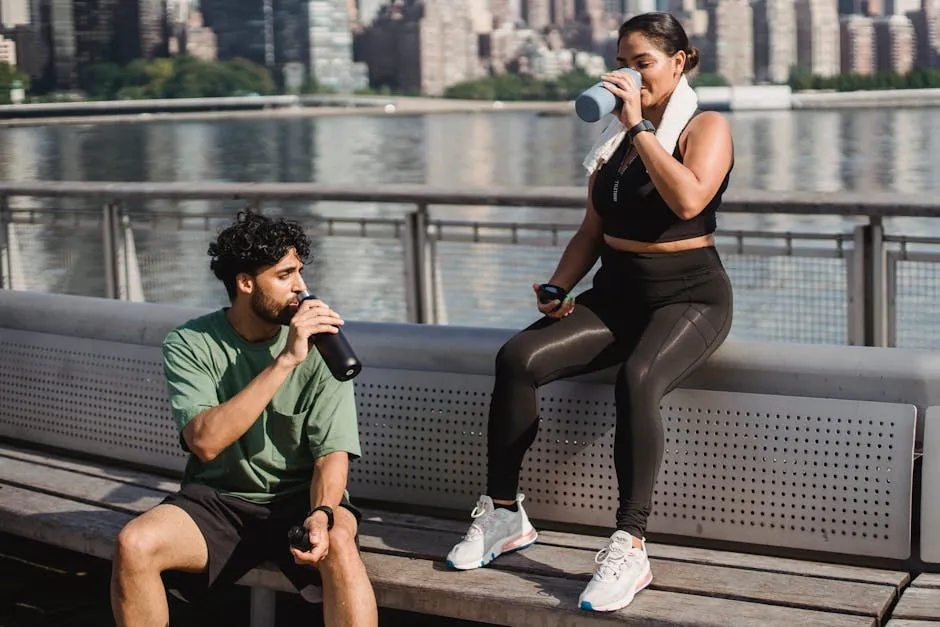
x=621, y=571
x=494, y=531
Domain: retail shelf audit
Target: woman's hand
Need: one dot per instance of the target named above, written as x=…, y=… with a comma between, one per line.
x=621, y=85
x=555, y=308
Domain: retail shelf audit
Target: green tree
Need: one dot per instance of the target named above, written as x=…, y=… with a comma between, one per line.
x=9, y=76
x=101, y=80
x=706, y=79
x=250, y=77
x=800, y=79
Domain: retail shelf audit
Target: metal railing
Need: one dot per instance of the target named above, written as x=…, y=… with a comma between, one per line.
x=467, y=256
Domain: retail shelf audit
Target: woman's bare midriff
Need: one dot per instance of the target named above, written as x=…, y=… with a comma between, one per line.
x=633, y=246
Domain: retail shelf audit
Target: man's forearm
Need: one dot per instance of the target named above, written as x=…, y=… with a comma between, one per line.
x=215, y=429
x=329, y=479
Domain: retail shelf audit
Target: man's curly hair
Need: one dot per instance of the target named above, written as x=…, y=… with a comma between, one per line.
x=252, y=242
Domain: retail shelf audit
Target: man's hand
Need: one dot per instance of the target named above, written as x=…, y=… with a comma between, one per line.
x=319, y=539
x=313, y=317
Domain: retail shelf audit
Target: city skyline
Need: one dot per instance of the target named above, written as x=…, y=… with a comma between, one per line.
x=426, y=46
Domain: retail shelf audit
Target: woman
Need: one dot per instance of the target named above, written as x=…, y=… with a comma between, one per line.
x=660, y=305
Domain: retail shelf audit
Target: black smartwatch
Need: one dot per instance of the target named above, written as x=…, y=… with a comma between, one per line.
x=549, y=292
x=643, y=125
x=326, y=509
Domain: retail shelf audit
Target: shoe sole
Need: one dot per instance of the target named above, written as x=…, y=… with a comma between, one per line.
x=620, y=603
x=513, y=544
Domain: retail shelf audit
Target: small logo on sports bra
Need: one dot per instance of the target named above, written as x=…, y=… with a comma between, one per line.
x=616, y=188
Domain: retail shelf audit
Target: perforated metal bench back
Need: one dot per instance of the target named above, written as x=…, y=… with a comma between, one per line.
x=821, y=474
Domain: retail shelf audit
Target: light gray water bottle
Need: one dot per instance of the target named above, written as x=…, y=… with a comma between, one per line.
x=597, y=101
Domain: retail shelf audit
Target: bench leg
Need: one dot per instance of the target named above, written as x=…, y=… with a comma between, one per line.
x=262, y=607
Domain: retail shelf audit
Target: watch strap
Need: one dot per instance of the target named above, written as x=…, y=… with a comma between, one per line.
x=640, y=127
x=326, y=509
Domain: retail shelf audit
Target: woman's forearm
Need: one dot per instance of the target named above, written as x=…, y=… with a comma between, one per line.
x=579, y=256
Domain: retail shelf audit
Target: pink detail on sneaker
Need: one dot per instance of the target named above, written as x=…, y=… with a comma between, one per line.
x=645, y=581
x=519, y=541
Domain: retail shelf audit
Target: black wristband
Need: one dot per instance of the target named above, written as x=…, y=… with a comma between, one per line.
x=326, y=509
x=549, y=292
x=641, y=126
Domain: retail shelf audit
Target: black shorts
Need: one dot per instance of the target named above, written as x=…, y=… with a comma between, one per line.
x=240, y=535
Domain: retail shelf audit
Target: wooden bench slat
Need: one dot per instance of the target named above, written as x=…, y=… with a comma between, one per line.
x=538, y=600
x=918, y=604
x=60, y=522
x=94, y=469
x=738, y=582
x=903, y=622
x=764, y=563
x=773, y=588
x=927, y=580
x=80, y=487
x=478, y=595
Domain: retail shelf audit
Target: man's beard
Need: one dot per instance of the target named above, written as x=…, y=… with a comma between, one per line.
x=270, y=310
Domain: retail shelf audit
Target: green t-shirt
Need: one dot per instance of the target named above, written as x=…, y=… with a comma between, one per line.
x=312, y=414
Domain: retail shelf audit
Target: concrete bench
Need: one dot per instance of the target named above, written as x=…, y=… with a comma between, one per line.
x=89, y=444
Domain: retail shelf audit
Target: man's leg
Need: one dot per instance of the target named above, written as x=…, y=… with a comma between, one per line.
x=165, y=538
x=348, y=599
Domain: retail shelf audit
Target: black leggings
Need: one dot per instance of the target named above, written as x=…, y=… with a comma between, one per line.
x=658, y=315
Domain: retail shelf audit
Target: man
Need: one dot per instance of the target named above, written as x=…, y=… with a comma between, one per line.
x=270, y=433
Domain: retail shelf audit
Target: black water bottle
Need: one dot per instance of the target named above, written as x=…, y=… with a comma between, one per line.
x=299, y=538
x=335, y=349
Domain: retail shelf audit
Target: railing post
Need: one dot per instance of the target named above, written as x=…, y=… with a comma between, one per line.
x=416, y=267
x=110, y=238
x=6, y=262
x=868, y=319
x=879, y=287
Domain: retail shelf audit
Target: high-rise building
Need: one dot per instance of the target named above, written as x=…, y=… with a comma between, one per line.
x=7, y=52
x=366, y=10
x=858, y=44
x=481, y=16
x=860, y=7
x=927, y=34
x=330, y=45
x=563, y=11
x=242, y=29
x=505, y=12
x=422, y=46
x=731, y=41
x=57, y=21
x=117, y=31
x=901, y=7
x=774, y=40
x=14, y=13
x=537, y=14
x=817, y=36
x=894, y=43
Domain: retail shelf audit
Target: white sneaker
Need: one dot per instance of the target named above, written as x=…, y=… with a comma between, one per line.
x=494, y=531
x=622, y=570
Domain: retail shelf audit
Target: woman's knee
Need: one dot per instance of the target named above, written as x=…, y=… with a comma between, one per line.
x=634, y=380
x=514, y=359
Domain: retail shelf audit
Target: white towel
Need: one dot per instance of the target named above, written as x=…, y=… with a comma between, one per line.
x=679, y=110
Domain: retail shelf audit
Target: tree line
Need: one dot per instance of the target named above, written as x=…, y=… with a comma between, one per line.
x=188, y=77
x=514, y=87
x=179, y=77
x=801, y=80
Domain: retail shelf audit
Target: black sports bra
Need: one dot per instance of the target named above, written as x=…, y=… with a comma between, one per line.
x=631, y=207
